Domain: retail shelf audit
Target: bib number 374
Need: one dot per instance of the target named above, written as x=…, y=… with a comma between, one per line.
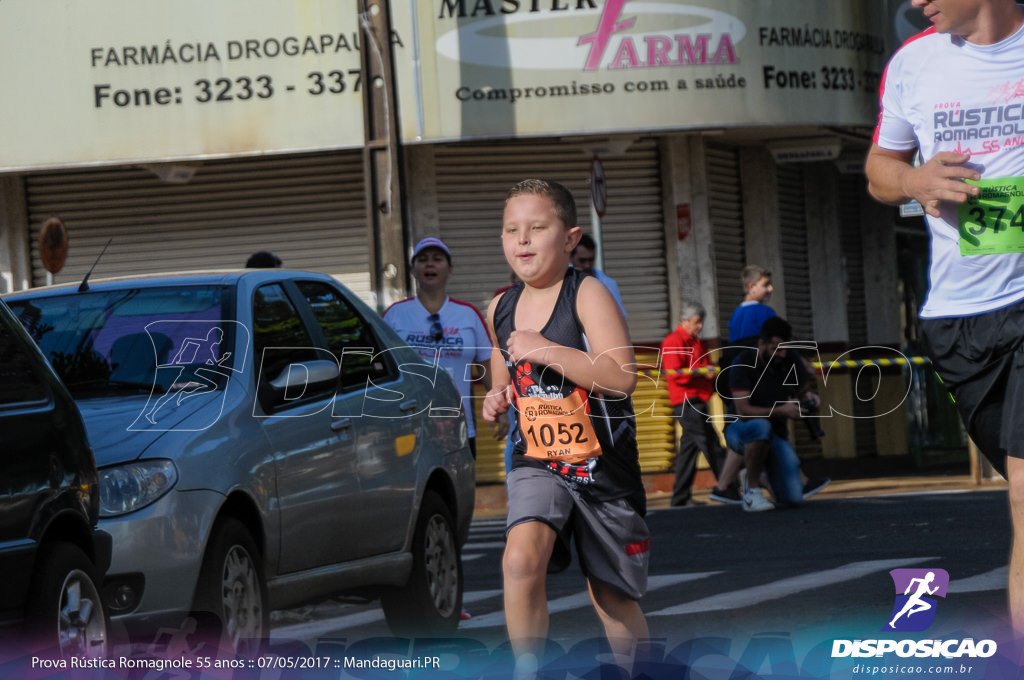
x=993, y=221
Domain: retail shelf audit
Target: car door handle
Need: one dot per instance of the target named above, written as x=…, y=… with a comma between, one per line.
x=407, y=406
x=339, y=425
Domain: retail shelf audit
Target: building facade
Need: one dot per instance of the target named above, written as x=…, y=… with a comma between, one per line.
x=698, y=136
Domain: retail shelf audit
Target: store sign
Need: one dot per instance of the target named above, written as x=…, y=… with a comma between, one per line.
x=119, y=81
x=577, y=66
x=142, y=81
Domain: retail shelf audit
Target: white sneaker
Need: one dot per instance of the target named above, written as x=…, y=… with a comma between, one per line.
x=527, y=668
x=754, y=501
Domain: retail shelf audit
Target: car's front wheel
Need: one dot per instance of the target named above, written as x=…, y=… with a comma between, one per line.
x=431, y=601
x=232, y=586
x=65, y=612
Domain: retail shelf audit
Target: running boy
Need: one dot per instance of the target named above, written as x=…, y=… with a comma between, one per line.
x=565, y=353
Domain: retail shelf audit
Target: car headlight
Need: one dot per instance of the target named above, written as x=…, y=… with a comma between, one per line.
x=131, y=487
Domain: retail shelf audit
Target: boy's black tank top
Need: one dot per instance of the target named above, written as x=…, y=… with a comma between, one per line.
x=615, y=473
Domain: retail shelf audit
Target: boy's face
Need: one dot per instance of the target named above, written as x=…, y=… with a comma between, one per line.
x=536, y=242
x=694, y=325
x=761, y=290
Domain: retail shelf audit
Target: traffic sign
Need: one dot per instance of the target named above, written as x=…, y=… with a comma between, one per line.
x=53, y=244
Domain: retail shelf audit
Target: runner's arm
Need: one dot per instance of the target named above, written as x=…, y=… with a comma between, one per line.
x=500, y=425
x=893, y=179
x=608, y=367
x=497, y=400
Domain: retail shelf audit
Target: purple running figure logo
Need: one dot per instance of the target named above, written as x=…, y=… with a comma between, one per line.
x=916, y=590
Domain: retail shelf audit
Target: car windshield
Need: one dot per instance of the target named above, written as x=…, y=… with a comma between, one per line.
x=133, y=339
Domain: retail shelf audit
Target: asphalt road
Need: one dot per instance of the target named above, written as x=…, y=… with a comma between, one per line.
x=797, y=578
x=731, y=596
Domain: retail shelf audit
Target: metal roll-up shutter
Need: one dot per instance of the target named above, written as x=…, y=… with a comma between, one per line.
x=795, y=261
x=796, y=275
x=725, y=204
x=634, y=241
x=472, y=181
x=307, y=209
x=852, y=190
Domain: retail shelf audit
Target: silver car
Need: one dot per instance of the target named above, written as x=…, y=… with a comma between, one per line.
x=264, y=440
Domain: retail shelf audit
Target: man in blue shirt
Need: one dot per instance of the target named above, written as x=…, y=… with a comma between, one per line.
x=583, y=258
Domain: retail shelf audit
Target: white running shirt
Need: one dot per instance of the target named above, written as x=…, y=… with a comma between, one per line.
x=941, y=93
x=465, y=341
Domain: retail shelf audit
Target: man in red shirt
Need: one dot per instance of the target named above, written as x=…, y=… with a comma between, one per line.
x=689, y=393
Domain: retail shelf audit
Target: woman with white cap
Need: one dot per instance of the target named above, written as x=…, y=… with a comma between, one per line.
x=449, y=333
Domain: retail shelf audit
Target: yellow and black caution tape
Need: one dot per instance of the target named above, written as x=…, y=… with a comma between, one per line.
x=819, y=365
x=707, y=370
x=883, y=361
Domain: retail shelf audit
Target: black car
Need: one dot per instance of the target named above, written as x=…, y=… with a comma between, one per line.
x=52, y=556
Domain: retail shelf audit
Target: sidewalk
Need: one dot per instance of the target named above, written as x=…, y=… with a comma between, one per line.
x=491, y=499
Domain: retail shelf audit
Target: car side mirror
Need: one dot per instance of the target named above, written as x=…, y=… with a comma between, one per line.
x=298, y=380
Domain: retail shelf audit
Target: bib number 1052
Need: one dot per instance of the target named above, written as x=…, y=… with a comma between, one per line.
x=547, y=434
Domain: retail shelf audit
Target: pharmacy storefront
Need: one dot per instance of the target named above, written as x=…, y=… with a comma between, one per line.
x=190, y=134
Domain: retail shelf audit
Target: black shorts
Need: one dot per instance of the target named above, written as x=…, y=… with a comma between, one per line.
x=980, y=360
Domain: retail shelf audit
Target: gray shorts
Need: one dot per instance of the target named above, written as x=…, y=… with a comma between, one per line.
x=612, y=539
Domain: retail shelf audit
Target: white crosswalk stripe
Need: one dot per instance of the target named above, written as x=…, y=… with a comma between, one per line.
x=736, y=599
x=488, y=522
x=747, y=597
x=488, y=534
x=582, y=599
x=487, y=531
x=314, y=629
x=483, y=545
x=991, y=580
x=485, y=538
